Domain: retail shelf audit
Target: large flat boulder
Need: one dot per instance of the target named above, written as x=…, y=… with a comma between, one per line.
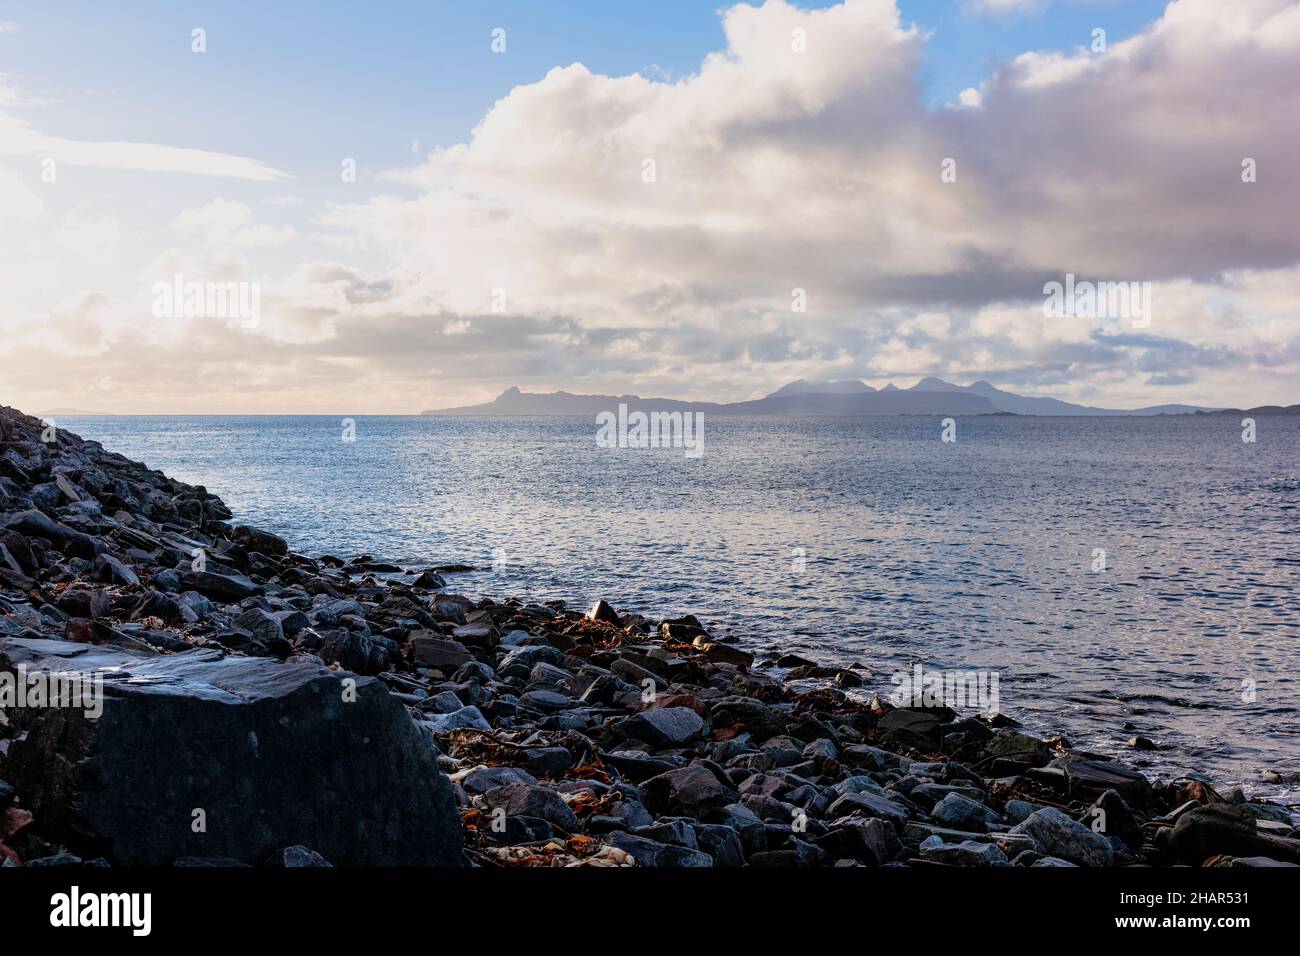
x=265, y=754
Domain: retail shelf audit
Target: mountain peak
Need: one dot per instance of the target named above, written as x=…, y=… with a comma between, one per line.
x=802, y=386
x=932, y=384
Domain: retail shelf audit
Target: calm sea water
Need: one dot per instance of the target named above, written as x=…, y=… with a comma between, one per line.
x=863, y=540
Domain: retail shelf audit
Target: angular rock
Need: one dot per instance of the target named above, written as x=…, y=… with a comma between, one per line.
x=663, y=726
x=968, y=853
x=1055, y=834
x=1223, y=829
x=271, y=752
x=652, y=853
x=1087, y=779
x=963, y=813
x=441, y=653
x=693, y=790
x=521, y=799
x=602, y=611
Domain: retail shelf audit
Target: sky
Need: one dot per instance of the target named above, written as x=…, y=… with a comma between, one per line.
x=398, y=206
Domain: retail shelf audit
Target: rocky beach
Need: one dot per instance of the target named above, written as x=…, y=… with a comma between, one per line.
x=181, y=689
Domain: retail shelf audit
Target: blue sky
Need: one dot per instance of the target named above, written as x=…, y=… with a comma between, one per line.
x=501, y=230
x=339, y=78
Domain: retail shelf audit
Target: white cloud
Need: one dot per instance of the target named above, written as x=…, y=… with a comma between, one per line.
x=226, y=223
x=90, y=238
x=775, y=169
x=1003, y=7
x=17, y=138
x=17, y=200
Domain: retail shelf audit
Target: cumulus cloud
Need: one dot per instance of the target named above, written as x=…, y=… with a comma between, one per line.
x=223, y=222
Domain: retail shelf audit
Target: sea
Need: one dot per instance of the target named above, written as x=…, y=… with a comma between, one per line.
x=1119, y=576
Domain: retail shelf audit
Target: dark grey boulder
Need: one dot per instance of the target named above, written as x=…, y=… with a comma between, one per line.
x=720, y=842
x=255, y=539
x=1223, y=829
x=1088, y=778
x=647, y=852
x=220, y=587
x=1055, y=834
x=663, y=726
x=272, y=754
x=694, y=791
x=521, y=799
x=962, y=813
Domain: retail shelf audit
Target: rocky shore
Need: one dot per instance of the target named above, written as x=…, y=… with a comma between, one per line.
x=242, y=704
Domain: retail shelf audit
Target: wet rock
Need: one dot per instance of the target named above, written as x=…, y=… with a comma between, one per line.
x=254, y=539
x=638, y=766
x=353, y=652
x=246, y=739
x=967, y=853
x=39, y=524
x=521, y=799
x=429, y=581
x=546, y=701
x=654, y=854
x=720, y=842
x=442, y=653
x=1248, y=862
x=1015, y=747
x=1113, y=817
x=263, y=625
x=112, y=571
x=794, y=660
x=1223, y=829
x=869, y=805
x=749, y=714
x=548, y=760
x=663, y=726
x=1019, y=810
x=908, y=727
x=1088, y=778
x=1055, y=834
x=676, y=832
x=867, y=839
x=694, y=791
x=963, y=813
x=296, y=857
x=482, y=779
x=602, y=611
x=724, y=654
x=220, y=587
x=470, y=718
x=796, y=853
x=684, y=628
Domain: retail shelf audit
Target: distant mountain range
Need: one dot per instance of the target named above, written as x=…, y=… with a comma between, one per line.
x=929, y=396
